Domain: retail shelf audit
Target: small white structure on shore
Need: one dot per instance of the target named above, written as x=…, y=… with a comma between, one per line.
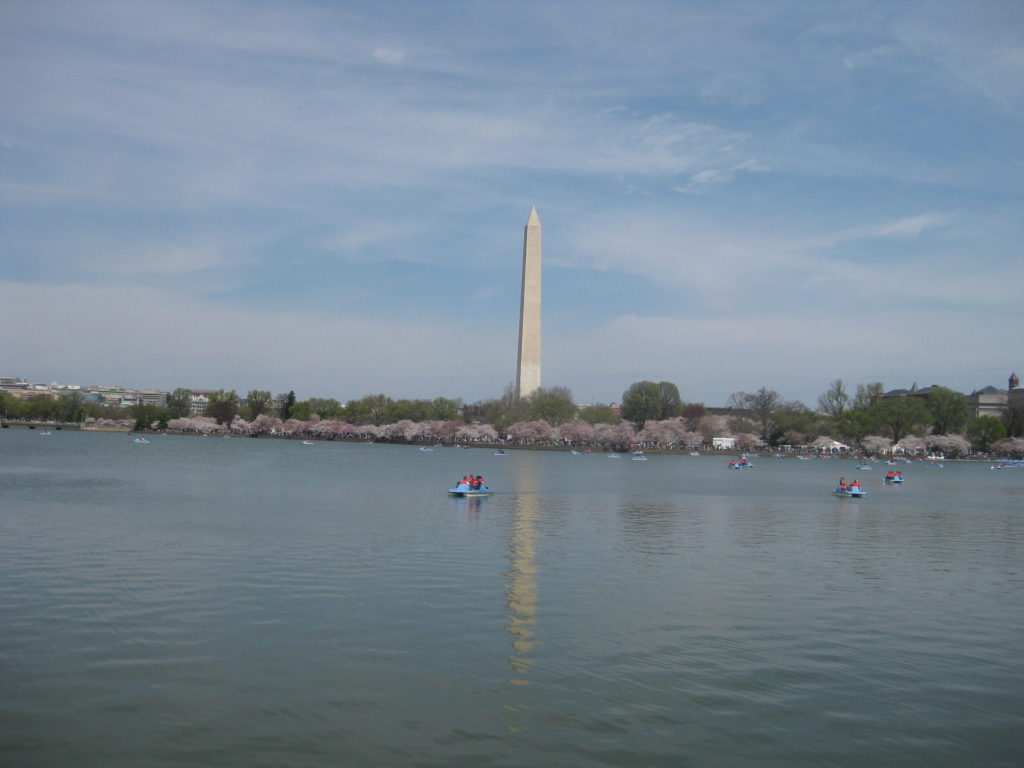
x=723, y=443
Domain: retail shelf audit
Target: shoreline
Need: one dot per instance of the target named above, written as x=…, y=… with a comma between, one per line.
x=762, y=454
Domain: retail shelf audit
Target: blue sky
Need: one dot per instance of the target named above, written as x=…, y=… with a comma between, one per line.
x=330, y=197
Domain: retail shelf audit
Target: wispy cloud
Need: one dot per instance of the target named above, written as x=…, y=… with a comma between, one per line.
x=909, y=227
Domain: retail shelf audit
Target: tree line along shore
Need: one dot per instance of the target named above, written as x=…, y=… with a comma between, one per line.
x=652, y=416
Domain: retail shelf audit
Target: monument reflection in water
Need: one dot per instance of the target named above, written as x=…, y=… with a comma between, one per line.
x=522, y=577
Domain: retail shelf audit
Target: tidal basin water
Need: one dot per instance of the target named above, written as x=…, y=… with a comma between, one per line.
x=238, y=602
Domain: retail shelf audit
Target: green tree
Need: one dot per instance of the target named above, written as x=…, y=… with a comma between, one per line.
x=301, y=411
x=179, y=402
x=671, y=402
x=325, y=407
x=949, y=410
x=796, y=422
x=555, y=405
x=11, y=406
x=1013, y=419
x=413, y=410
x=222, y=405
x=867, y=394
x=761, y=407
x=146, y=415
x=641, y=403
x=599, y=414
x=854, y=425
x=899, y=416
x=72, y=407
x=257, y=401
x=984, y=431
x=834, y=400
x=287, y=401
x=368, y=409
x=445, y=409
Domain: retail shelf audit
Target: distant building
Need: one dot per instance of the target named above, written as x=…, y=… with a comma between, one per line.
x=990, y=401
x=200, y=399
x=987, y=401
x=154, y=397
x=912, y=392
x=723, y=443
x=1015, y=394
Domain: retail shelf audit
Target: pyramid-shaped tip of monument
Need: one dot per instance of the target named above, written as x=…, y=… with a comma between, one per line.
x=534, y=218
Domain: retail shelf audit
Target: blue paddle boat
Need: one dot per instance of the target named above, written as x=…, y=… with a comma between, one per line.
x=465, y=491
x=852, y=491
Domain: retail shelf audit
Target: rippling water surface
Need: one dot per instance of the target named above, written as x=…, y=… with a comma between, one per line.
x=225, y=602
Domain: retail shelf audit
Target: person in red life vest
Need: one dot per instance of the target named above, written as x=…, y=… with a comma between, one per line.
x=842, y=484
x=478, y=483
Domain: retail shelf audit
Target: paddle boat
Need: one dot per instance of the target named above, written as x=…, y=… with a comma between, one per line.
x=616, y=456
x=308, y=442
x=863, y=466
x=893, y=477
x=743, y=463
x=639, y=456
x=501, y=452
x=695, y=453
x=139, y=440
x=465, y=491
x=851, y=491
x=426, y=448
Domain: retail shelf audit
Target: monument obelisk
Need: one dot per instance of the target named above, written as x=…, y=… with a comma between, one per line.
x=528, y=367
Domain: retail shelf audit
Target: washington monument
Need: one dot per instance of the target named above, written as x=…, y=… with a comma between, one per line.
x=528, y=367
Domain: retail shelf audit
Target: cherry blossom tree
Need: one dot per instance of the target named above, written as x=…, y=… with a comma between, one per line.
x=950, y=445
x=240, y=426
x=824, y=444
x=748, y=441
x=397, y=430
x=618, y=436
x=712, y=426
x=655, y=433
x=1010, y=446
x=345, y=429
x=476, y=433
x=911, y=445
x=531, y=431
x=575, y=432
x=876, y=444
x=265, y=424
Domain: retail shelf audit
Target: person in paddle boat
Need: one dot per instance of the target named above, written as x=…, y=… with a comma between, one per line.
x=842, y=484
x=477, y=483
x=464, y=483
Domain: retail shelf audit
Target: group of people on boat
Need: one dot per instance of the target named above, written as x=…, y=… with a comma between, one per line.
x=473, y=483
x=742, y=462
x=890, y=475
x=845, y=486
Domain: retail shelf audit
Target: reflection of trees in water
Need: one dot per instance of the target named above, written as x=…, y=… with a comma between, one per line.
x=651, y=528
